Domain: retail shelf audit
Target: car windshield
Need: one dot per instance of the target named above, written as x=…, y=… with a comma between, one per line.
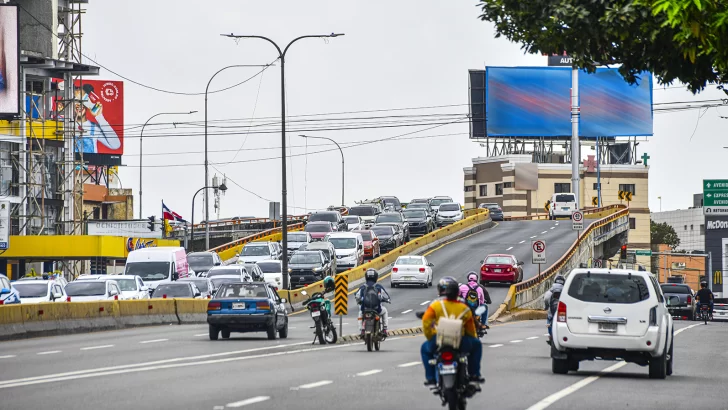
x=323, y=216
x=493, y=207
x=390, y=201
x=450, y=207
x=200, y=283
x=223, y=271
x=565, y=198
x=608, y=288
x=126, y=285
x=297, y=237
x=255, y=250
x=242, y=290
x=362, y=211
x=200, y=259
x=86, y=288
x=438, y=201
x=318, y=228
x=417, y=205
x=343, y=243
x=306, y=258
x=173, y=290
x=270, y=267
x=676, y=289
x=415, y=214
x=498, y=260
x=217, y=282
x=409, y=260
x=389, y=218
x=365, y=235
x=383, y=230
x=352, y=219
x=148, y=271
x=31, y=290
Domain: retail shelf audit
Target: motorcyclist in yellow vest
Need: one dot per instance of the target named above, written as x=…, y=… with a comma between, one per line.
x=449, y=289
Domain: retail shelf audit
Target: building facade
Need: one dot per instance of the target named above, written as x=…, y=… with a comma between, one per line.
x=689, y=224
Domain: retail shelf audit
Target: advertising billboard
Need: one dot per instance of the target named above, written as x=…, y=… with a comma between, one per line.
x=9, y=61
x=536, y=102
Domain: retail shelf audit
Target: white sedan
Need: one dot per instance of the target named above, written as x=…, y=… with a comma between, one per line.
x=354, y=222
x=411, y=270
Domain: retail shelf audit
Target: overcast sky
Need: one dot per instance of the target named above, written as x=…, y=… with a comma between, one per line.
x=395, y=54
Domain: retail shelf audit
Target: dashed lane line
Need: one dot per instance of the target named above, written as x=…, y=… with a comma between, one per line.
x=544, y=232
x=249, y=401
x=7, y=356
x=498, y=345
x=533, y=236
x=315, y=384
x=553, y=227
x=424, y=303
x=406, y=311
x=509, y=248
x=410, y=364
x=154, y=341
x=516, y=341
x=49, y=352
x=369, y=372
x=96, y=347
x=205, y=334
x=522, y=241
x=532, y=337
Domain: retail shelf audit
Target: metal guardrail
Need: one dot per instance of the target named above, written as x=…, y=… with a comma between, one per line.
x=246, y=221
x=587, y=211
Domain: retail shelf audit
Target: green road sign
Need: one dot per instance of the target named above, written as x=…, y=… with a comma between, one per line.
x=715, y=196
x=715, y=185
x=639, y=252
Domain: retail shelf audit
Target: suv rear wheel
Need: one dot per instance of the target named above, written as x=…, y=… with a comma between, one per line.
x=560, y=366
x=658, y=366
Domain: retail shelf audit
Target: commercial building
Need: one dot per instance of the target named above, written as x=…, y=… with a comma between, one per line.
x=689, y=224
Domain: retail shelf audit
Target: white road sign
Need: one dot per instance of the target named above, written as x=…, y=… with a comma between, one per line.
x=539, y=251
x=139, y=228
x=577, y=221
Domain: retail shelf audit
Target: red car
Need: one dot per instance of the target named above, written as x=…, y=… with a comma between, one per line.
x=371, y=244
x=501, y=268
x=319, y=229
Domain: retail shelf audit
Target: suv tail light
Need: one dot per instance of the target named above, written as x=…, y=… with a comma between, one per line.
x=561, y=312
x=653, y=316
x=422, y=270
x=690, y=300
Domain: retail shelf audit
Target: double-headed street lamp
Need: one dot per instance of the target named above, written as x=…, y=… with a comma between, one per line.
x=141, y=151
x=342, y=162
x=222, y=188
x=284, y=199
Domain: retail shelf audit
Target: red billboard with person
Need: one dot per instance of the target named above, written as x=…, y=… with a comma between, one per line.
x=99, y=116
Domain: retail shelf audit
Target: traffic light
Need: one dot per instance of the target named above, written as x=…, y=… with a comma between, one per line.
x=150, y=224
x=623, y=252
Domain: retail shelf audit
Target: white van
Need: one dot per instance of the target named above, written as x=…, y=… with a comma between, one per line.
x=349, y=248
x=563, y=205
x=163, y=264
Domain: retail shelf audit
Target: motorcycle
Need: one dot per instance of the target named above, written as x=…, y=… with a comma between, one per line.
x=451, y=374
x=373, y=334
x=319, y=308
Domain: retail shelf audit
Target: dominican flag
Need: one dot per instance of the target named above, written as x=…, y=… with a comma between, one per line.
x=171, y=216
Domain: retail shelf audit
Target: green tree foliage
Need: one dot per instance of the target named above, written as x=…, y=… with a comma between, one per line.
x=684, y=40
x=663, y=233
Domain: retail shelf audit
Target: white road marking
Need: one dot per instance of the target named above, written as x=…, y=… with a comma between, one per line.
x=316, y=384
x=557, y=224
x=544, y=232
x=369, y=373
x=246, y=402
x=7, y=356
x=545, y=334
x=553, y=227
x=522, y=241
x=532, y=337
x=50, y=352
x=424, y=303
x=548, y=401
x=96, y=347
x=406, y=311
x=516, y=341
x=509, y=248
x=410, y=364
x=158, y=362
x=154, y=341
x=202, y=334
x=498, y=345
x=533, y=236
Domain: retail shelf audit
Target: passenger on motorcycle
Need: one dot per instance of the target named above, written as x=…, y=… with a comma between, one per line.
x=370, y=296
x=476, y=295
x=470, y=344
x=704, y=296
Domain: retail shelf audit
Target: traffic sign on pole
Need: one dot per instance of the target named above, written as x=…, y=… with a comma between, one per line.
x=577, y=220
x=539, y=251
x=715, y=196
x=341, y=298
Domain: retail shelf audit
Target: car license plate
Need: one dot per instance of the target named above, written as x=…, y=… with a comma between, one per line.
x=564, y=208
x=238, y=305
x=448, y=369
x=409, y=278
x=497, y=270
x=608, y=327
x=316, y=313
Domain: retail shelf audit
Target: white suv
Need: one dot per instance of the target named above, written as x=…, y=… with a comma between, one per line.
x=612, y=314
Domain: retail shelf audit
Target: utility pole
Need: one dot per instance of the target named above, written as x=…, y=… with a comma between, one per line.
x=575, y=147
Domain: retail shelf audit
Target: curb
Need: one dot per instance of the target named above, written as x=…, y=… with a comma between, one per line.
x=395, y=332
x=521, y=315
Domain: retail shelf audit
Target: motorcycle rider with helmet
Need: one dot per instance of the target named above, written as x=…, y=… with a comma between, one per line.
x=449, y=291
x=705, y=296
x=476, y=295
x=370, y=296
x=550, y=301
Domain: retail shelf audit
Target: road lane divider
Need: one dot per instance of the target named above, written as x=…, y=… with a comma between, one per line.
x=315, y=384
x=96, y=347
x=369, y=372
x=410, y=364
x=246, y=402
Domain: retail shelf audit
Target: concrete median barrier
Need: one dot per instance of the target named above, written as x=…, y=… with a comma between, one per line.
x=191, y=310
x=147, y=312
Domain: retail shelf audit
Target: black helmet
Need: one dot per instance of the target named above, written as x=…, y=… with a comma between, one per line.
x=703, y=284
x=448, y=287
x=371, y=275
x=560, y=279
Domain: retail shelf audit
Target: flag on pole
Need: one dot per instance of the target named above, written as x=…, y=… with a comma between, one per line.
x=170, y=215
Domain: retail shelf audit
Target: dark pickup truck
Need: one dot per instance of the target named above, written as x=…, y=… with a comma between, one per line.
x=686, y=307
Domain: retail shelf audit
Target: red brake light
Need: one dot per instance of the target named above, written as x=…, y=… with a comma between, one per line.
x=395, y=269
x=68, y=299
x=262, y=305
x=561, y=312
x=116, y=297
x=213, y=306
x=422, y=270
x=447, y=356
x=2, y=302
x=164, y=296
x=690, y=299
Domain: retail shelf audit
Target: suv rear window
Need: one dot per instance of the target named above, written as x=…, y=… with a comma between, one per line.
x=609, y=288
x=324, y=216
x=676, y=289
x=565, y=198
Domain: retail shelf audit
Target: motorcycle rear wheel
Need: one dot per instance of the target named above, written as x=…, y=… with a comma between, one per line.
x=376, y=344
x=320, y=333
x=453, y=401
x=368, y=340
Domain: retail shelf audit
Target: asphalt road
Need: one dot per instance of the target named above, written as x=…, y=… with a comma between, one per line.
x=515, y=364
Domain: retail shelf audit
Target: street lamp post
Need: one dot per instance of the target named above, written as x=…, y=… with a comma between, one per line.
x=342, y=162
x=222, y=188
x=141, y=151
x=207, y=173
x=284, y=200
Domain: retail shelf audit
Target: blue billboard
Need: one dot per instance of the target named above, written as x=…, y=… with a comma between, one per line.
x=536, y=102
